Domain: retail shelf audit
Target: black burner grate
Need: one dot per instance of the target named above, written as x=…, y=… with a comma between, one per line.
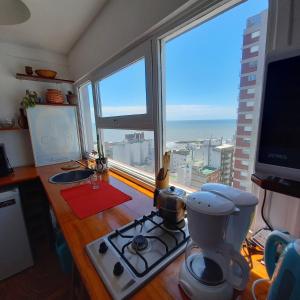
x=141, y=222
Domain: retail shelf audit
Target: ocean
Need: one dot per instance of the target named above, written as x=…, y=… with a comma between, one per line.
x=199, y=129
x=184, y=130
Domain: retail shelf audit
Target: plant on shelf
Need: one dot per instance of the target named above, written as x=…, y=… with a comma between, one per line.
x=30, y=99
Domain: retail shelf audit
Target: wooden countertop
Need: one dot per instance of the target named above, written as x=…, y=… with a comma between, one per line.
x=19, y=175
x=78, y=233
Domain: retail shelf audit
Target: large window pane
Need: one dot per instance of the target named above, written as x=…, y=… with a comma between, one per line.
x=124, y=92
x=132, y=148
x=88, y=117
x=211, y=135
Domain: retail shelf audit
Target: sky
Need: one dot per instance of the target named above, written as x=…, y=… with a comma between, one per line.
x=202, y=71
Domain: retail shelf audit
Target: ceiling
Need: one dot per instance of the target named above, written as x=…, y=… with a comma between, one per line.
x=54, y=25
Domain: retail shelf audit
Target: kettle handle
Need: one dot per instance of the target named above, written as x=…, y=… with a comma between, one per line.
x=238, y=274
x=275, y=239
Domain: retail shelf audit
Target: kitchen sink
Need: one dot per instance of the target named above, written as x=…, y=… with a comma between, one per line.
x=71, y=176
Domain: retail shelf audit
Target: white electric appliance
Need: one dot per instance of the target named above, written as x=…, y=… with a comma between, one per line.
x=210, y=268
x=239, y=224
x=15, y=253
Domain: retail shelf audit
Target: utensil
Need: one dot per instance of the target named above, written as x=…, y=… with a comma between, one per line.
x=46, y=73
x=171, y=205
x=162, y=178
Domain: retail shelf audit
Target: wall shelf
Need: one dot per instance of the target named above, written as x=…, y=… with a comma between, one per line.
x=12, y=129
x=42, y=79
x=56, y=104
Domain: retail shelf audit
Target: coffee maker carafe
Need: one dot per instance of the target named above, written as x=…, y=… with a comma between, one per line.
x=212, y=267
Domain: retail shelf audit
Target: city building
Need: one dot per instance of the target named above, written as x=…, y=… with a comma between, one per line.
x=196, y=161
x=201, y=175
x=224, y=157
x=252, y=65
x=135, y=150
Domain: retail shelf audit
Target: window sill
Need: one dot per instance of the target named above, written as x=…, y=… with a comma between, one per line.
x=133, y=176
x=141, y=178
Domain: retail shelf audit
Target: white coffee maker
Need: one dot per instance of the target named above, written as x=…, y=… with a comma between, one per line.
x=239, y=224
x=209, y=269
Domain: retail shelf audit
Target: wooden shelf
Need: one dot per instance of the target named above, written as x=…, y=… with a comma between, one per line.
x=11, y=129
x=56, y=104
x=42, y=79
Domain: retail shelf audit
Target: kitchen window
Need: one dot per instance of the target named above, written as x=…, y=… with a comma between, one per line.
x=87, y=117
x=130, y=149
x=124, y=112
x=123, y=93
x=167, y=93
x=200, y=119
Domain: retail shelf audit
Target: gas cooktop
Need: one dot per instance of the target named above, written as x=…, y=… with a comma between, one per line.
x=128, y=257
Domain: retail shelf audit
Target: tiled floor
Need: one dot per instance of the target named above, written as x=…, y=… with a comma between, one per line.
x=44, y=280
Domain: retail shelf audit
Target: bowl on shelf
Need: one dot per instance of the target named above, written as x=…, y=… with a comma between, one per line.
x=7, y=123
x=46, y=73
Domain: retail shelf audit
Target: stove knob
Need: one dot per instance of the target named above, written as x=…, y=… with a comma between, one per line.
x=103, y=248
x=118, y=269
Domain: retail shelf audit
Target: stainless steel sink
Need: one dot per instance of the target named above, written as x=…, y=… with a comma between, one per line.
x=71, y=176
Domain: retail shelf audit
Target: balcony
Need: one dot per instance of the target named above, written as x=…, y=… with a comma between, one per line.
x=248, y=54
x=247, y=40
x=248, y=68
x=243, y=107
x=246, y=82
x=245, y=95
x=240, y=142
x=243, y=120
x=240, y=154
x=241, y=131
x=237, y=175
x=238, y=165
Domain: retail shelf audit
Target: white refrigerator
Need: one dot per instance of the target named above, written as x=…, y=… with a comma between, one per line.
x=15, y=252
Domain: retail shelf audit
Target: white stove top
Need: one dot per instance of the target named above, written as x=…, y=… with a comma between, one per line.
x=128, y=257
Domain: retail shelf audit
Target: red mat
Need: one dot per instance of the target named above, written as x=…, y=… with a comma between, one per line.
x=85, y=202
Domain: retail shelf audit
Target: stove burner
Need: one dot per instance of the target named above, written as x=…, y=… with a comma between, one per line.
x=174, y=227
x=150, y=228
x=139, y=243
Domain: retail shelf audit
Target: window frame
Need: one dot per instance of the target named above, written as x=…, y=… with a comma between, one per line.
x=132, y=122
x=84, y=140
x=151, y=47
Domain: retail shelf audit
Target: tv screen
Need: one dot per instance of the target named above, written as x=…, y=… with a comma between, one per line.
x=280, y=124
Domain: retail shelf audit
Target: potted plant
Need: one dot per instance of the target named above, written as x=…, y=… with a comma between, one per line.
x=30, y=99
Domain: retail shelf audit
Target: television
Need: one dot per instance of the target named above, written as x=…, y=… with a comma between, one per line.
x=278, y=144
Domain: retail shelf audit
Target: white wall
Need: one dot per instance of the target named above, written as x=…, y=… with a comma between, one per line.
x=284, y=20
x=13, y=58
x=118, y=24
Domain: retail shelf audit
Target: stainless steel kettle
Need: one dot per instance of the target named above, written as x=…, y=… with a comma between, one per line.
x=171, y=206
